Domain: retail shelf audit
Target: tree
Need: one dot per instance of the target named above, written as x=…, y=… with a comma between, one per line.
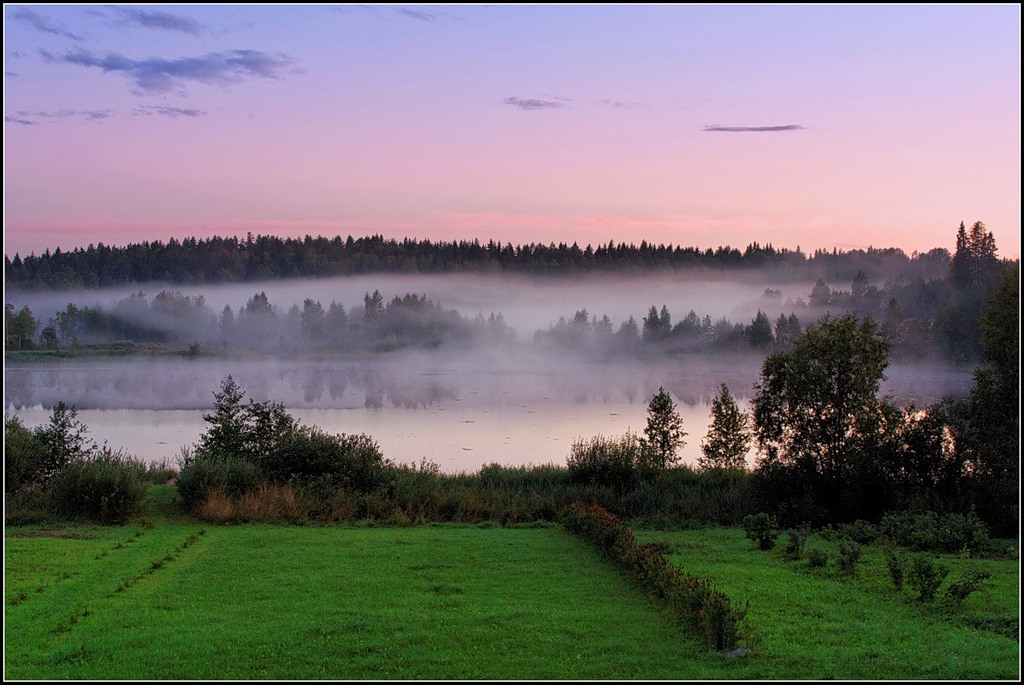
x=65, y=441
x=960, y=267
x=786, y=330
x=729, y=437
x=821, y=294
x=664, y=432
x=20, y=328
x=759, y=332
x=974, y=261
x=226, y=435
x=816, y=400
x=992, y=435
x=818, y=418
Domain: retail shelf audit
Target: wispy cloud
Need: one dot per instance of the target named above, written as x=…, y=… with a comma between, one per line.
x=41, y=23
x=417, y=14
x=168, y=111
x=533, y=103
x=163, y=75
x=155, y=19
x=33, y=118
x=753, y=129
x=621, y=104
x=423, y=15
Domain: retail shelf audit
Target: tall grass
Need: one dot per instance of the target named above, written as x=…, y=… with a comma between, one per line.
x=507, y=495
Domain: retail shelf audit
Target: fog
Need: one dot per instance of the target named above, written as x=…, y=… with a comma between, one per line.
x=528, y=304
x=464, y=399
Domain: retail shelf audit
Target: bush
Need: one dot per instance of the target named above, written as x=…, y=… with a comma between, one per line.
x=925, y=576
x=107, y=487
x=308, y=455
x=609, y=462
x=848, y=556
x=859, y=531
x=794, y=548
x=969, y=582
x=706, y=611
x=35, y=456
x=231, y=476
x=24, y=455
x=817, y=558
x=928, y=530
x=896, y=563
x=762, y=528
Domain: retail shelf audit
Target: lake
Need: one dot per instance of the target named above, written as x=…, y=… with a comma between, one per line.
x=512, y=406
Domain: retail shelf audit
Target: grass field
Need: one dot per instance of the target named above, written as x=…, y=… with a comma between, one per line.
x=174, y=599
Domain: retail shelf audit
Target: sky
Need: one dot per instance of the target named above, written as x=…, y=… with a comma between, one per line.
x=810, y=126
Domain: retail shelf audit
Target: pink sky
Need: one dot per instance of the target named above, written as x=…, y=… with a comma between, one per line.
x=810, y=126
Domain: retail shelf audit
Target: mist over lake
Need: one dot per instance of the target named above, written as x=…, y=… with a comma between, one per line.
x=527, y=303
x=513, y=403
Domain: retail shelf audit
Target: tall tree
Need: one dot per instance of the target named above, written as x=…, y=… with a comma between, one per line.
x=729, y=436
x=817, y=413
x=992, y=434
x=663, y=436
x=960, y=267
x=759, y=332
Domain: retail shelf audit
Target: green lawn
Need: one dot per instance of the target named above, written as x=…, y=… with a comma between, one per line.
x=180, y=600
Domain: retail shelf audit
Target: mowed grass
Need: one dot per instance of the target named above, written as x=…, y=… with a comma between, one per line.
x=821, y=624
x=180, y=600
x=277, y=602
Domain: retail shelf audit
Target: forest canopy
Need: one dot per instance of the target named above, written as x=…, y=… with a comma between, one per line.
x=260, y=258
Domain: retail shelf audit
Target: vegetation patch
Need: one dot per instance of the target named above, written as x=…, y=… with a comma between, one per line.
x=692, y=600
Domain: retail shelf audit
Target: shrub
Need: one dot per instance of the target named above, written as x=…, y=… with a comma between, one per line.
x=794, y=548
x=859, y=531
x=817, y=558
x=24, y=455
x=762, y=528
x=308, y=454
x=36, y=456
x=928, y=530
x=925, y=576
x=895, y=561
x=107, y=487
x=707, y=612
x=848, y=556
x=609, y=462
x=231, y=476
x=970, y=581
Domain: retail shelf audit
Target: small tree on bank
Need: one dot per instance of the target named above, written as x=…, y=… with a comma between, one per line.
x=729, y=437
x=663, y=436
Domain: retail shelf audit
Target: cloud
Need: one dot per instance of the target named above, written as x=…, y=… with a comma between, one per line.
x=621, y=104
x=754, y=129
x=156, y=19
x=532, y=103
x=41, y=23
x=168, y=111
x=32, y=118
x=417, y=14
x=162, y=75
x=421, y=15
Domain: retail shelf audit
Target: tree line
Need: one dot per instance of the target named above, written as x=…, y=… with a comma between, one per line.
x=933, y=321
x=258, y=258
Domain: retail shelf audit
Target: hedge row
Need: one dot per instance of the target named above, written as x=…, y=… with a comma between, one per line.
x=702, y=609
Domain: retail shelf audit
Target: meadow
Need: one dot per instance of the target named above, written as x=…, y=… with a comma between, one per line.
x=169, y=597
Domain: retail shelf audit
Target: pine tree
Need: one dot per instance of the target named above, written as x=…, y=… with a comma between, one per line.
x=729, y=435
x=664, y=432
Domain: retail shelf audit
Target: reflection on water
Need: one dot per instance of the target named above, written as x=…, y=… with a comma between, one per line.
x=513, y=408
